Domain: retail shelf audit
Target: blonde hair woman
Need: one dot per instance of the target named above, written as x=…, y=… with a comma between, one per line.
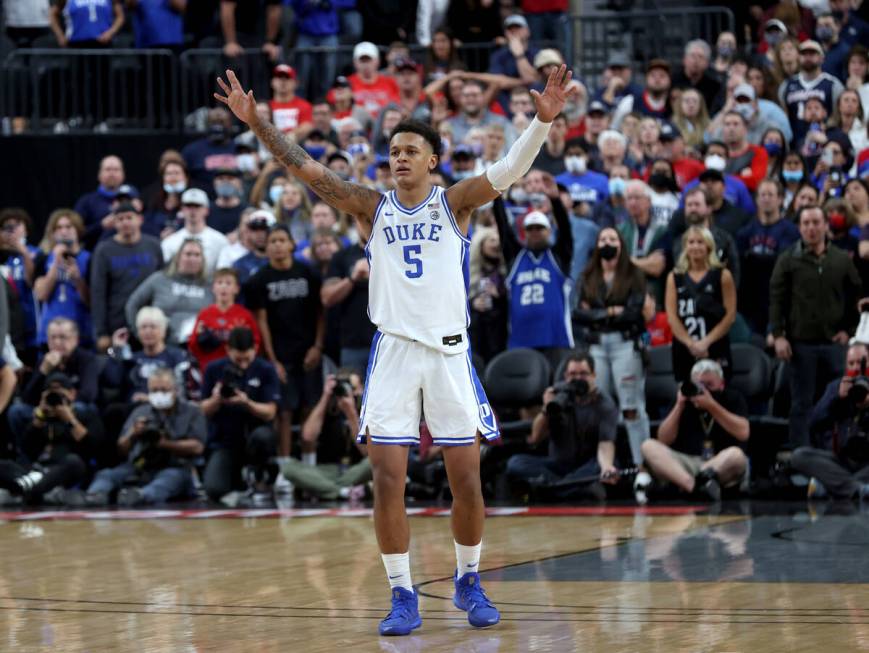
x=294, y=210
x=701, y=304
x=691, y=116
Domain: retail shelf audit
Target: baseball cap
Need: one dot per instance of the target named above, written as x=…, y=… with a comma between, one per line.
x=262, y=215
x=775, y=23
x=284, y=70
x=597, y=107
x=618, y=60
x=226, y=172
x=194, y=196
x=126, y=190
x=548, y=56
x=463, y=150
x=744, y=90
x=366, y=49
x=60, y=379
x=403, y=63
x=339, y=154
x=126, y=207
x=711, y=174
x=536, y=218
x=811, y=45
x=658, y=63
x=515, y=20
x=669, y=132
x=341, y=82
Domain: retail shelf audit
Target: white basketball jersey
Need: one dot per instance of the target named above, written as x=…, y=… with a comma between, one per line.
x=418, y=288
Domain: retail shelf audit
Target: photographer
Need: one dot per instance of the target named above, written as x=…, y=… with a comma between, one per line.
x=332, y=462
x=839, y=425
x=242, y=400
x=160, y=440
x=580, y=422
x=53, y=445
x=701, y=443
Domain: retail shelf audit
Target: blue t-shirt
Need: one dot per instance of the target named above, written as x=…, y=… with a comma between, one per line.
x=155, y=23
x=87, y=19
x=230, y=424
x=591, y=187
x=65, y=300
x=538, y=298
x=15, y=273
x=132, y=375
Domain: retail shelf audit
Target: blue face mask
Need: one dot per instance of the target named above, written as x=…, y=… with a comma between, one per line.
x=462, y=174
x=617, y=186
x=225, y=189
x=773, y=149
x=275, y=193
x=105, y=192
x=792, y=176
x=316, y=151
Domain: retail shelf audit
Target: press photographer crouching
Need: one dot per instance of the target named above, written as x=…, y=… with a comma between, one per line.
x=580, y=422
x=160, y=439
x=839, y=425
x=242, y=399
x=53, y=446
x=333, y=465
x=701, y=444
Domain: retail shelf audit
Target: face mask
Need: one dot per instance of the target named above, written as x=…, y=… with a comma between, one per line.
x=275, y=193
x=462, y=174
x=225, y=189
x=745, y=110
x=161, y=400
x=617, y=186
x=175, y=188
x=660, y=181
x=725, y=51
x=518, y=195
x=773, y=149
x=576, y=164
x=838, y=222
x=774, y=38
x=824, y=33
x=715, y=162
x=358, y=149
x=217, y=134
x=608, y=252
x=477, y=149
x=246, y=162
x=316, y=151
x=792, y=176
x=105, y=192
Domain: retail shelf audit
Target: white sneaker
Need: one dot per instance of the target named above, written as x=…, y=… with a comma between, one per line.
x=641, y=484
x=283, y=486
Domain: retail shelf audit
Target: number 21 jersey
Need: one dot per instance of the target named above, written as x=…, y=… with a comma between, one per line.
x=418, y=286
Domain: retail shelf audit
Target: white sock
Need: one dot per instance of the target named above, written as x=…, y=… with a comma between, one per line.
x=398, y=569
x=468, y=558
x=309, y=458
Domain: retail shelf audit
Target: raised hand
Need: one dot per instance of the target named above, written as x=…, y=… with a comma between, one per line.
x=242, y=103
x=551, y=102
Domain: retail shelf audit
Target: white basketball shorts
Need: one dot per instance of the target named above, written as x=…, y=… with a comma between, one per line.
x=403, y=376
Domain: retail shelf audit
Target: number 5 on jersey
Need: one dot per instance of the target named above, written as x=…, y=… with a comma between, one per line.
x=414, y=261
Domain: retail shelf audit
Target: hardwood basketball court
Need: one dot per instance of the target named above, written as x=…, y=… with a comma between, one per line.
x=755, y=577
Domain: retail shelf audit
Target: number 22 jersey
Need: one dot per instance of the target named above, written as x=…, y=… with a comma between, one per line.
x=419, y=260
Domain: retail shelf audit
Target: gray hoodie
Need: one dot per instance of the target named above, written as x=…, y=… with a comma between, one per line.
x=180, y=297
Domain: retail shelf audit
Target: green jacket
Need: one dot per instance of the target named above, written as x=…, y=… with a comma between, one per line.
x=812, y=298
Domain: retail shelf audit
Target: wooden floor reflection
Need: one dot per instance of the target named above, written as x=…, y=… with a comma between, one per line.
x=317, y=584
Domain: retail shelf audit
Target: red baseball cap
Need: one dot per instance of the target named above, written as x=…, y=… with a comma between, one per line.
x=283, y=70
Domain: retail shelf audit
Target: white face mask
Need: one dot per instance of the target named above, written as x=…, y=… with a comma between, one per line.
x=246, y=162
x=745, y=110
x=175, y=188
x=161, y=400
x=715, y=162
x=576, y=164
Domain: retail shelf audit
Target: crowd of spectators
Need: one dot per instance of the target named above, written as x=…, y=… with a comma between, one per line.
x=171, y=338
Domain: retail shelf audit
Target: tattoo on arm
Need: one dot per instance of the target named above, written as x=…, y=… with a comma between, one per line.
x=331, y=187
x=281, y=148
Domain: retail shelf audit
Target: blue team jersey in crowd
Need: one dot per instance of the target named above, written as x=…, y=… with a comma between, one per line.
x=795, y=92
x=157, y=23
x=591, y=187
x=87, y=19
x=539, y=308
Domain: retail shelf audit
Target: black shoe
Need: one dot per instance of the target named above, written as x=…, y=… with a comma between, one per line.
x=96, y=499
x=130, y=497
x=706, y=485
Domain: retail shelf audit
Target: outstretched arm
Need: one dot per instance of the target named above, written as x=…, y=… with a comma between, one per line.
x=359, y=201
x=467, y=195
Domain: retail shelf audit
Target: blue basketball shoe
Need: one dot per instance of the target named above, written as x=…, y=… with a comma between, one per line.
x=471, y=597
x=404, y=616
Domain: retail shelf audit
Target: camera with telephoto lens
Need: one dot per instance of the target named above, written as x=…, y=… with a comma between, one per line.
x=54, y=399
x=859, y=389
x=230, y=381
x=151, y=433
x=566, y=394
x=690, y=389
x=343, y=387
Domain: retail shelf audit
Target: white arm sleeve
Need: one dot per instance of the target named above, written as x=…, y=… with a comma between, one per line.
x=507, y=171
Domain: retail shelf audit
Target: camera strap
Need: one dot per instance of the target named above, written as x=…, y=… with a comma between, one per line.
x=706, y=422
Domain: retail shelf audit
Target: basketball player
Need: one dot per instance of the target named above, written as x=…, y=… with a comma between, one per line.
x=417, y=248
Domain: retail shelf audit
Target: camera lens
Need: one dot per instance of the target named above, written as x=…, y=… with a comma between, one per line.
x=689, y=389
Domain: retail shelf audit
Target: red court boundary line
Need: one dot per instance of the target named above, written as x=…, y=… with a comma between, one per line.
x=266, y=513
